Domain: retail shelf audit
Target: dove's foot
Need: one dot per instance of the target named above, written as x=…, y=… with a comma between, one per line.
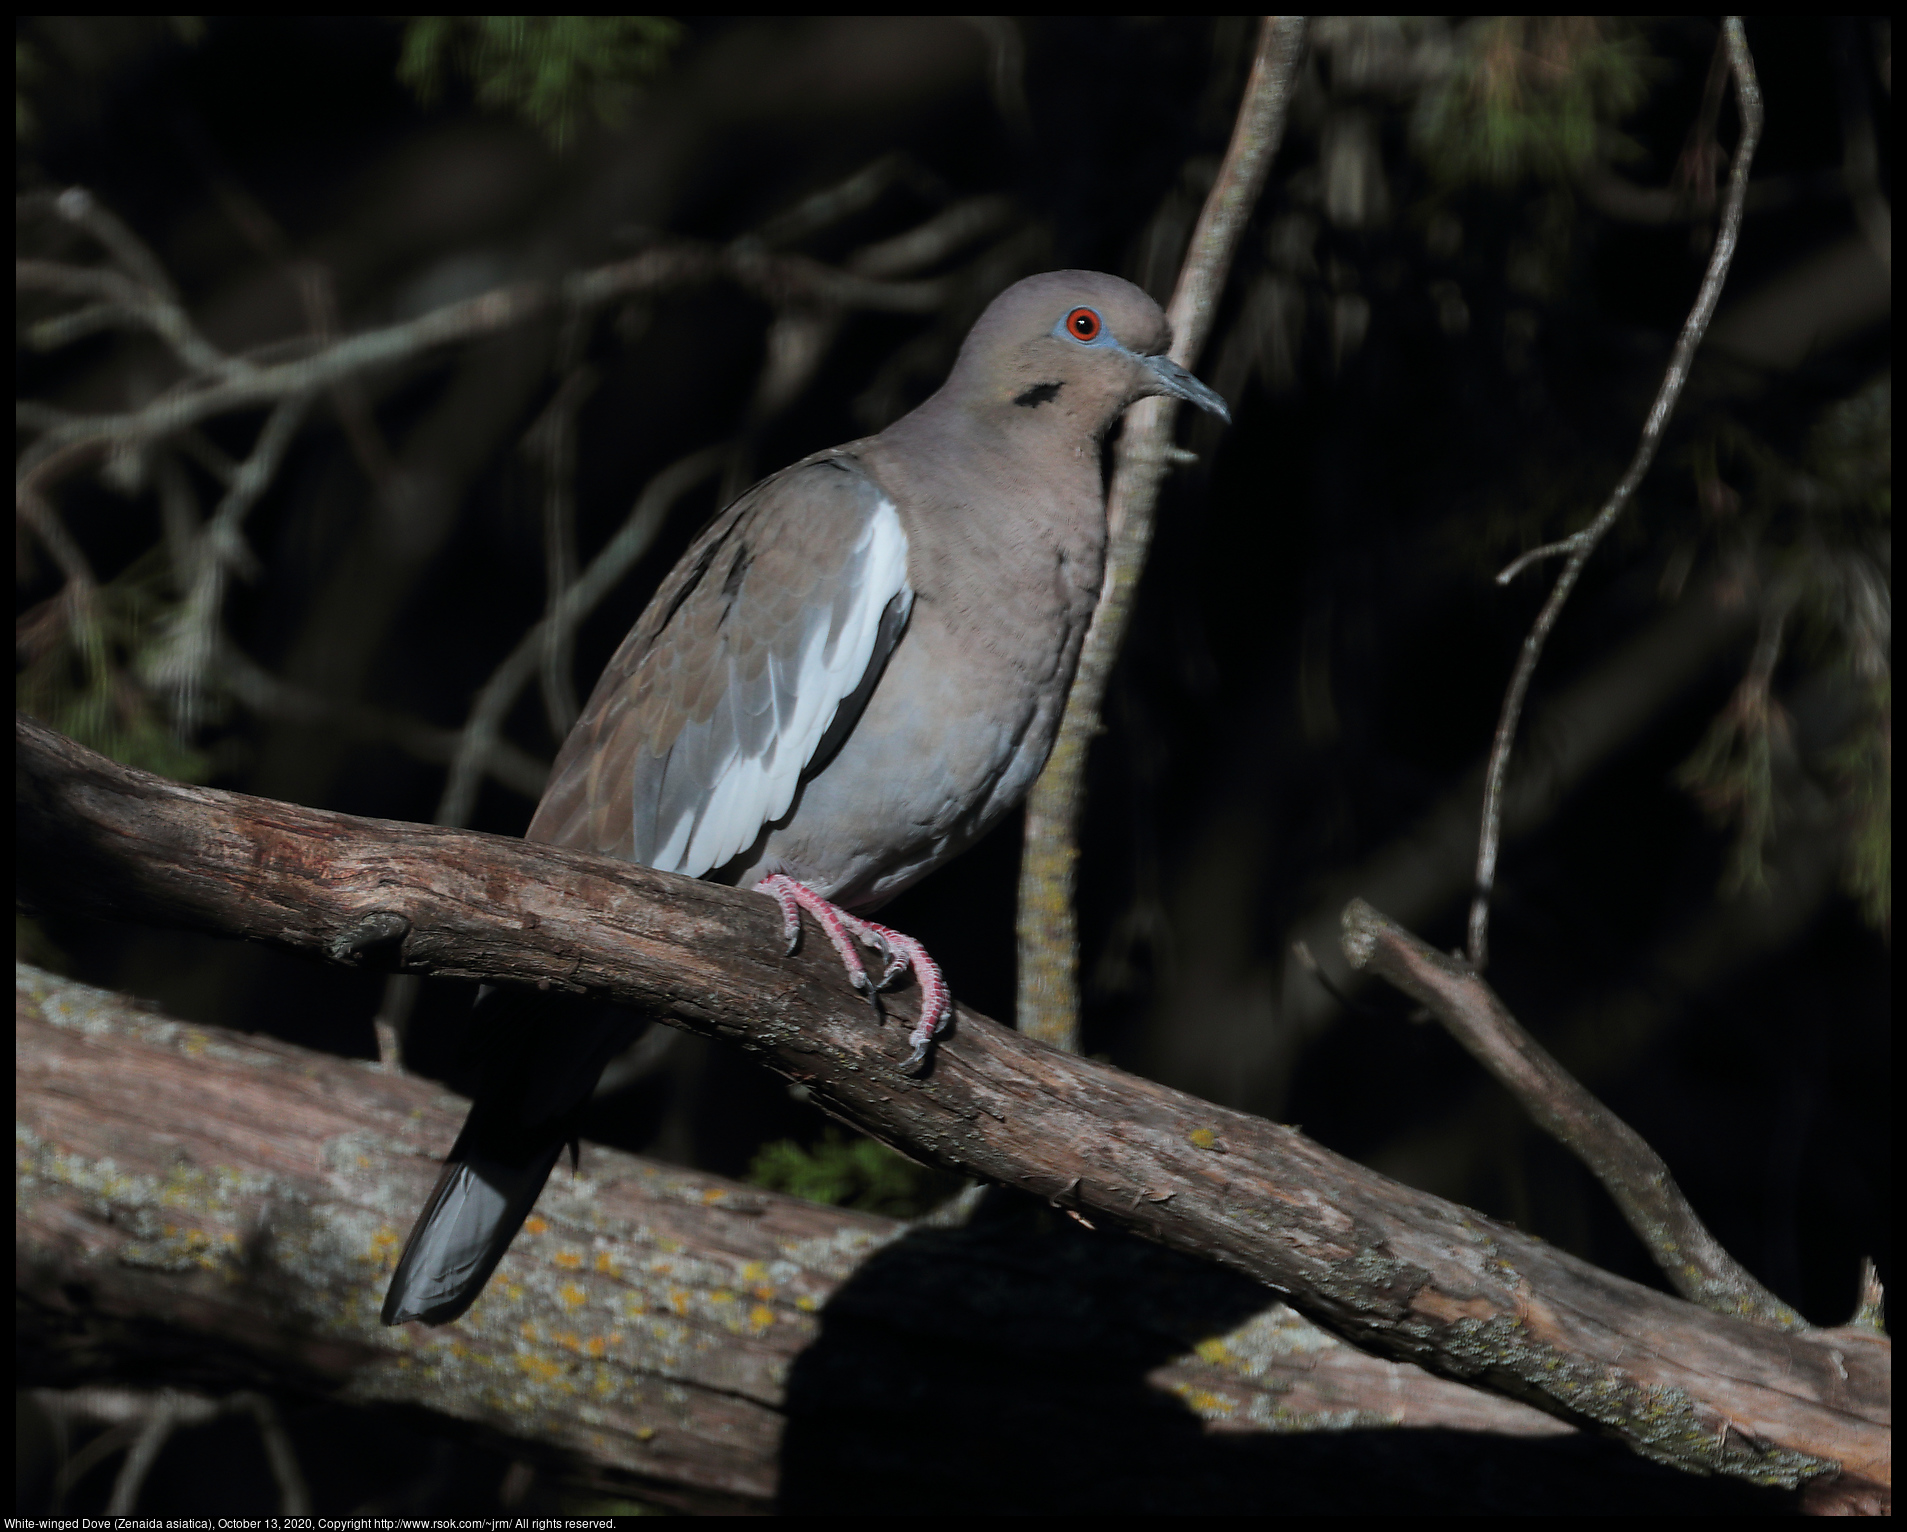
x=898, y=953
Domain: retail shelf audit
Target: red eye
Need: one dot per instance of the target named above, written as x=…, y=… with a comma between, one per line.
x=1083, y=324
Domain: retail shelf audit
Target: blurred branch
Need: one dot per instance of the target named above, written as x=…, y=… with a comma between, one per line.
x=1633, y=1174
x=1391, y=1269
x=222, y=385
x=217, y=551
x=143, y=1423
x=481, y=732
x=1048, y=1000
x=1582, y=544
x=139, y=294
x=313, y=282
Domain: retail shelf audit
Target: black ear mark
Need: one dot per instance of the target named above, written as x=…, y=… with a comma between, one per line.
x=1038, y=394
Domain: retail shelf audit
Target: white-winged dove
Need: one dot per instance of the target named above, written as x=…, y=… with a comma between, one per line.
x=851, y=675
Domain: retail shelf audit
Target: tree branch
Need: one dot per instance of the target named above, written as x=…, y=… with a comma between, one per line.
x=1048, y=1002
x=1580, y=545
x=780, y=279
x=1632, y=1173
x=1393, y=1270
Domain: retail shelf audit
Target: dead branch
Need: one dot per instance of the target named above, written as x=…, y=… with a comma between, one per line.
x=1693, y=1260
x=644, y=1326
x=1393, y=1270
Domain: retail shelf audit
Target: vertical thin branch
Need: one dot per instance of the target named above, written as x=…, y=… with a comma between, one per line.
x=1048, y=1006
x=1582, y=544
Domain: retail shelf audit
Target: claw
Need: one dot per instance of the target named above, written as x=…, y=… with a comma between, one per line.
x=896, y=965
x=790, y=916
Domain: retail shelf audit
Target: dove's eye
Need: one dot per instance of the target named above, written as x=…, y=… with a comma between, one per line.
x=1083, y=324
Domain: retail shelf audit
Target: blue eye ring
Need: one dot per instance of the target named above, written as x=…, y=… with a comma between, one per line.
x=1083, y=325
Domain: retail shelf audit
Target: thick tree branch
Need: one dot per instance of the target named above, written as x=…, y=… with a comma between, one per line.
x=1401, y=1273
x=644, y=1326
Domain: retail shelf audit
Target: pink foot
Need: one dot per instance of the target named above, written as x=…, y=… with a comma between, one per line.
x=898, y=952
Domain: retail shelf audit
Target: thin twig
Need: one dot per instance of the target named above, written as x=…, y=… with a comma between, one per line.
x=316, y=290
x=145, y=292
x=934, y=240
x=145, y=1422
x=294, y=1497
x=856, y=194
x=1048, y=1005
x=46, y=524
x=1582, y=544
x=1693, y=1260
x=186, y=652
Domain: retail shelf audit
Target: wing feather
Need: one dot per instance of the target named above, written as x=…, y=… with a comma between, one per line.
x=700, y=730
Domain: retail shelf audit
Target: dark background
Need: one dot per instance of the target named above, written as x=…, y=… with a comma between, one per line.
x=1429, y=372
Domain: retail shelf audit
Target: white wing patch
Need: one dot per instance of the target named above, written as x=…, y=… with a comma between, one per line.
x=746, y=790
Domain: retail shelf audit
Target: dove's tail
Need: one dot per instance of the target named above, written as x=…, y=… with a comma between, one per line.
x=543, y=1058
